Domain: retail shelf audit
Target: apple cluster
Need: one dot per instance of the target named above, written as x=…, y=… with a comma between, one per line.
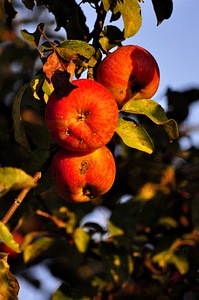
x=82, y=123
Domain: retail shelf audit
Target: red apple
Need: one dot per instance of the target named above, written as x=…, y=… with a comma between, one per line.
x=129, y=72
x=84, y=120
x=80, y=176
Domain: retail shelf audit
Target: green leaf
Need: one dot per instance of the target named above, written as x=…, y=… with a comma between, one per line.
x=36, y=84
x=9, y=285
x=169, y=256
x=33, y=38
x=110, y=37
x=134, y=135
x=69, y=48
x=155, y=112
x=7, y=238
x=114, y=230
x=180, y=262
x=81, y=239
x=37, y=247
x=131, y=14
x=64, y=293
x=19, y=131
x=14, y=179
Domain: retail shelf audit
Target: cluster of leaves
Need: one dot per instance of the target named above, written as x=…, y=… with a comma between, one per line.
x=148, y=246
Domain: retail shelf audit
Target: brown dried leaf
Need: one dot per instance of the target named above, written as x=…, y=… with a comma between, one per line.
x=55, y=63
x=60, y=72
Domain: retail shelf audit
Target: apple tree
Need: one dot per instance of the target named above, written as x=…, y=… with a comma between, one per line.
x=145, y=243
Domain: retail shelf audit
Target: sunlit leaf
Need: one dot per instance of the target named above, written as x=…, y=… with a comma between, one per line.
x=131, y=14
x=7, y=238
x=114, y=230
x=169, y=256
x=9, y=285
x=36, y=84
x=14, y=179
x=155, y=112
x=134, y=135
x=168, y=222
x=19, y=131
x=33, y=38
x=81, y=239
x=69, y=48
x=37, y=247
x=110, y=37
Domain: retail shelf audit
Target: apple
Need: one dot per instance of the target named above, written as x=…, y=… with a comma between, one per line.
x=129, y=72
x=79, y=176
x=85, y=119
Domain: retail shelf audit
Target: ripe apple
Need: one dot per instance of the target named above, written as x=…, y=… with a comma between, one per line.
x=129, y=72
x=84, y=120
x=80, y=176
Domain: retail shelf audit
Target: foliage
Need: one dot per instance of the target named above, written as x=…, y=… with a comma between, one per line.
x=148, y=247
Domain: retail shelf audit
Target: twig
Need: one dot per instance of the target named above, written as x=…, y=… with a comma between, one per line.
x=19, y=200
x=98, y=26
x=25, y=191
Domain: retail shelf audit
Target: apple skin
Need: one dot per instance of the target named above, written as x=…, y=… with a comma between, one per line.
x=80, y=176
x=129, y=72
x=84, y=120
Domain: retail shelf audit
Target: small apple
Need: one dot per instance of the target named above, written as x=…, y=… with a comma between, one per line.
x=80, y=176
x=84, y=120
x=129, y=72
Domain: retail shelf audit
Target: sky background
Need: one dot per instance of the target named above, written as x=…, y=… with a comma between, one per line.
x=175, y=46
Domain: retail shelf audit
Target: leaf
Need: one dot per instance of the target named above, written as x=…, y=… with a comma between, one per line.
x=9, y=284
x=114, y=230
x=36, y=84
x=155, y=112
x=110, y=37
x=7, y=238
x=19, y=131
x=69, y=48
x=131, y=14
x=37, y=247
x=29, y=4
x=10, y=11
x=14, y=179
x=134, y=135
x=163, y=9
x=166, y=257
x=33, y=38
x=81, y=239
x=66, y=292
